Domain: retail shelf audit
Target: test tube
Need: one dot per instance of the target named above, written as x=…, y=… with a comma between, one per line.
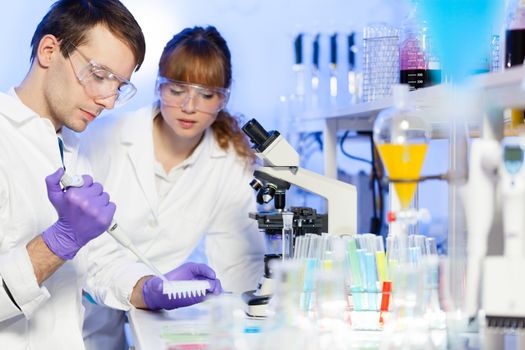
x=287, y=234
x=382, y=271
x=355, y=269
x=430, y=246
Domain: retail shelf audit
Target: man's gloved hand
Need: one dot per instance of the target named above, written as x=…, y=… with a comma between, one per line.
x=83, y=214
x=155, y=299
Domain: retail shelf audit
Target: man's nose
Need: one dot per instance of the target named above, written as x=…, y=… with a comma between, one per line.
x=107, y=102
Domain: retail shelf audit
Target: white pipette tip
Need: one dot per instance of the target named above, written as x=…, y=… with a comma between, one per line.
x=174, y=289
x=185, y=289
x=71, y=180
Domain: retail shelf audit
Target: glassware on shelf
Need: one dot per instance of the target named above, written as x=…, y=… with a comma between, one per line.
x=419, y=66
x=515, y=49
x=495, y=54
x=461, y=31
x=354, y=78
x=298, y=67
x=381, y=61
x=515, y=36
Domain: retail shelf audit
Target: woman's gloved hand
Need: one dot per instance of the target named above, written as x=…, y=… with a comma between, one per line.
x=155, y=299
x=83, y=214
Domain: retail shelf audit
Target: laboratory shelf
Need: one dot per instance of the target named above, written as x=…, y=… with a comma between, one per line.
x=495, y=92
x=499, y=89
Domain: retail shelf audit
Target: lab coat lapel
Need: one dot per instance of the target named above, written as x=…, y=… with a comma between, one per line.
x=138, y=135
x=38, y=133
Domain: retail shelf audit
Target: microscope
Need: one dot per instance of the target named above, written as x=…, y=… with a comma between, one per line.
x=279, y=170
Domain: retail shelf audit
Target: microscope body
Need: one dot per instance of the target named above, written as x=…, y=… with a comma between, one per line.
x=281, y=161
x=281, y=169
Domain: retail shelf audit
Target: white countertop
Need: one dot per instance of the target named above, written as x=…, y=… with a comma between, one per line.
x=185, y=328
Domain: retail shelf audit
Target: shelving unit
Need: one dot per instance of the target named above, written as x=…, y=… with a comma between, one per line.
x=497, y=91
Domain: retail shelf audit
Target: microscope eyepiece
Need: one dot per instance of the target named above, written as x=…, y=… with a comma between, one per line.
x=258, y=135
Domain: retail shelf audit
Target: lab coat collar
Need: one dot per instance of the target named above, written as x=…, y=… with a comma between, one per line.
x=135, y=130
x=14, y=109
x=137, y=135
x=19, y=113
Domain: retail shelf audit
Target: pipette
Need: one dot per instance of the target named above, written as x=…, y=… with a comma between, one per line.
x=174, y=289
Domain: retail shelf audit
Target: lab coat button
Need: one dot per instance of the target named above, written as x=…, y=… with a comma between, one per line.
x=153, y=223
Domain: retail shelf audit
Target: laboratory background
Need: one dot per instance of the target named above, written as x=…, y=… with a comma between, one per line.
x=426, y=234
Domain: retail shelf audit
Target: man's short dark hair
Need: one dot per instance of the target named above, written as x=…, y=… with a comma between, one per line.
x=69, y=20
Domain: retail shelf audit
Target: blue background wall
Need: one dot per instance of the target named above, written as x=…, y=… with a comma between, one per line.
x=260, y=35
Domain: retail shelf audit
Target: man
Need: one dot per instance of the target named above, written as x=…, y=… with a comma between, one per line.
x=83, y=54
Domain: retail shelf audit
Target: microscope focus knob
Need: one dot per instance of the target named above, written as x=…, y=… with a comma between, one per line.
x=256, y=184
x=268, y=193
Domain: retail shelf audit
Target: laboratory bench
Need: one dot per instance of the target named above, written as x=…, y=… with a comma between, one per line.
x=184, y=328
x=189, y=329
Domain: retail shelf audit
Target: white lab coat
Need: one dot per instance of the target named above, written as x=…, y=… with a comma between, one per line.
x=210, y=201
x=50, y=315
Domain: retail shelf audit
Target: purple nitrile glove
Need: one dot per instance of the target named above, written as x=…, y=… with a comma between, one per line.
x=155, y=299
x=83, y=214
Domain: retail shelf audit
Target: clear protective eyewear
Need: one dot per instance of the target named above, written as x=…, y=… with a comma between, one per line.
x=100, y=82
x=205, y=99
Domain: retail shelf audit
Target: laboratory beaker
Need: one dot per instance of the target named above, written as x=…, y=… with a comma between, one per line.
x=288, y=325
x=332, y=309
x=407, y=327
x=227, y=323
x=452, y=301
x=419, y=66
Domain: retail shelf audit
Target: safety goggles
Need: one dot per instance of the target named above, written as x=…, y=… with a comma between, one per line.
x=205, y=99
x=100, y=82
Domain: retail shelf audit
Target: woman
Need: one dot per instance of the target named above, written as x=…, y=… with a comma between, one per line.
x=179, y=171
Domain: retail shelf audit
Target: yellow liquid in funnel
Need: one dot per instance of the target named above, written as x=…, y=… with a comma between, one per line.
x=403, y=162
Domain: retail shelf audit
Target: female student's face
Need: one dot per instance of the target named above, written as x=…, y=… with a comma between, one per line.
x=189, y=109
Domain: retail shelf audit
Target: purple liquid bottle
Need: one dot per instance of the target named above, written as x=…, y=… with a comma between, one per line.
x=515, y=37
x=418, y=66
x=515, y=49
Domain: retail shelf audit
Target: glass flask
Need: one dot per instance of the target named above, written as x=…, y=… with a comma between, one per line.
x=401, y=136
